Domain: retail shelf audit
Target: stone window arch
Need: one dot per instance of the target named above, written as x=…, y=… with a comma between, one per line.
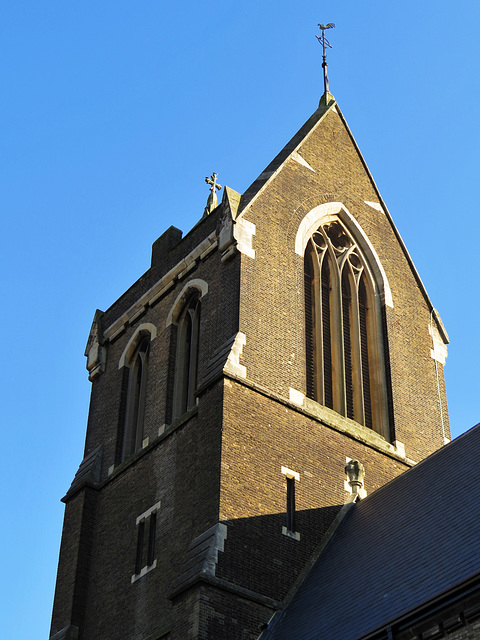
x=345, y=359
x=146, y=329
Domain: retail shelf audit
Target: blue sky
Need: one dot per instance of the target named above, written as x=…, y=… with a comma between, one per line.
x=113, y=113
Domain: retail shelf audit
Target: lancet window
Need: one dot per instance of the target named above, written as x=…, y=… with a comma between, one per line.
x=344, y=336
x=186, y=359
x=136, y=395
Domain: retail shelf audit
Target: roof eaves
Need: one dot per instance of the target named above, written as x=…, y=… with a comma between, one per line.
x=437, y=604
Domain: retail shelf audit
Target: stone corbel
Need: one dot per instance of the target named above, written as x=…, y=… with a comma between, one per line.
x=355, y=472
x=95, y=352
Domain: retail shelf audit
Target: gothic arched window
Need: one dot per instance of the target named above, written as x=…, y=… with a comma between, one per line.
x=136, y=395
x=186, y=359
x=344, y=337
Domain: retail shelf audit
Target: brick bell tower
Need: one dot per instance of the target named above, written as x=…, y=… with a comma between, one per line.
x=283, y=335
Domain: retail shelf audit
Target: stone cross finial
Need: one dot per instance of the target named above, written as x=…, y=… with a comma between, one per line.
x=212, y=201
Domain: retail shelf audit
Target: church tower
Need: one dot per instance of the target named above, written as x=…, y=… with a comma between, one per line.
x=287, y=333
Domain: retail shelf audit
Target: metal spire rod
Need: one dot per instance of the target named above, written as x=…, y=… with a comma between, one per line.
x=325, y=43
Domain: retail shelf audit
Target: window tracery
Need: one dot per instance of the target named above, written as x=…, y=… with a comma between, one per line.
x=344, y=336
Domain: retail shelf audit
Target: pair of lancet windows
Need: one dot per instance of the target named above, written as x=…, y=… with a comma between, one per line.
x=344, y=333
x=183, y=375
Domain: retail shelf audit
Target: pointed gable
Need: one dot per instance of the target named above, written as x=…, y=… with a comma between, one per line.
x=318, y=178
x=341, y=165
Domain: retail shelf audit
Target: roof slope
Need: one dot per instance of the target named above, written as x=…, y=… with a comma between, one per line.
x=408, y=542
x=284, y=154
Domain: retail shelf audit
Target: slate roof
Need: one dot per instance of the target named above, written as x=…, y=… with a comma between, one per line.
x=411, y=540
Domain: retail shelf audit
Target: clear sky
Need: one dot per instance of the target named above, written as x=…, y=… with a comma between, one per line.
x=112, y=114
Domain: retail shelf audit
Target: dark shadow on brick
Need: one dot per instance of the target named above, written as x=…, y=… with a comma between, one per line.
x=259, y=557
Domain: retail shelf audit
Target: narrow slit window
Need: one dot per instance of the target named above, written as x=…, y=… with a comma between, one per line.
x=291, y=504
x=140, y=542
x=151, y=538
x=291, y=477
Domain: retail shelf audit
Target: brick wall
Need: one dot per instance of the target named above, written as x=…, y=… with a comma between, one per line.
x=223, y=461
x=260, y=436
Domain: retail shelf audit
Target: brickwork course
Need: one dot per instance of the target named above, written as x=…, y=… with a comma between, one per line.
x=224, y=564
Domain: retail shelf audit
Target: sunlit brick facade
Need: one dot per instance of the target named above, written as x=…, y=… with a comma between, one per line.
x=182, y=533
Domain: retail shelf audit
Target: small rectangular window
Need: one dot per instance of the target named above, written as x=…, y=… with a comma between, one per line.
x=145, y=559
x=291, y=478
x=291, y=504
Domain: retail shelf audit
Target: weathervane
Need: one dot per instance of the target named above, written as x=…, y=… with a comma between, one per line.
x=212, y=198
x=325, y=43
